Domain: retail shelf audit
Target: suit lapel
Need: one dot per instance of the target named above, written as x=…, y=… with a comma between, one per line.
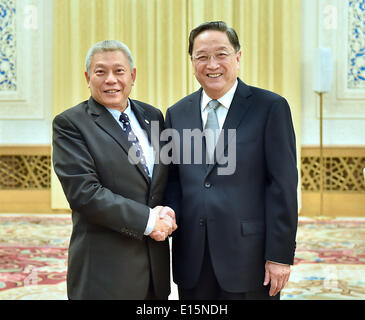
x=145, y=119
x=105, y=120
x=239, y=107
x=192, y=112
x=193, y=120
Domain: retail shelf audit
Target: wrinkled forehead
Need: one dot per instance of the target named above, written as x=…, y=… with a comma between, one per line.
x=113, y=58
x=211, y=40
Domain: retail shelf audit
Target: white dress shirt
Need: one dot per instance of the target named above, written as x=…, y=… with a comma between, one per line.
x=222, y=110
x=146, y=148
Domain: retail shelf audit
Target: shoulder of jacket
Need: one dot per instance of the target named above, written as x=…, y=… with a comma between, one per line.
x=145, y=106
x=73, y=111
x=183, y=101
x=266, y=94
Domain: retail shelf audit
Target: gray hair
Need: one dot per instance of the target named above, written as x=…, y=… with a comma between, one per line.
x=108, y=45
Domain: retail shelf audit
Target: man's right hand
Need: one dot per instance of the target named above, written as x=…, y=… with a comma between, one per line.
x=165, y=223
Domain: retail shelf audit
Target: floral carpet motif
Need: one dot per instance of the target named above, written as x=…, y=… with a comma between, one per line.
x=329, y=262
x=33, y=256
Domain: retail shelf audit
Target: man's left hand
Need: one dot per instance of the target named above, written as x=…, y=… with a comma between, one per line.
x=277, y=275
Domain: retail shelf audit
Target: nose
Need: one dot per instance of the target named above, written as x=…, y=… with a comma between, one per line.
x=212, y=62
x=110, y=78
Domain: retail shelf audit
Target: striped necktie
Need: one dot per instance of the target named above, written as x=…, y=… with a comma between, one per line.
x=126, y=126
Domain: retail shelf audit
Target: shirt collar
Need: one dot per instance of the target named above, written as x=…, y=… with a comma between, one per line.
x=225, y=101
x=116, y=113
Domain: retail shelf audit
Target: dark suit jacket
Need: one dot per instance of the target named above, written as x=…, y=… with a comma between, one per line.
x=109, y=257
x=249, y=216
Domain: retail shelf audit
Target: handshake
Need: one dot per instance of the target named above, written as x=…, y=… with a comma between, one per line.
x=165, y=223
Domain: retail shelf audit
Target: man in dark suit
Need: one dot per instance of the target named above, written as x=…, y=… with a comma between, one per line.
x=237, y=221
x=104, y=156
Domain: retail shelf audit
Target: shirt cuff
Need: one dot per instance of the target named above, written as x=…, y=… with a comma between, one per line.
x=282, y=264
x=151, y=223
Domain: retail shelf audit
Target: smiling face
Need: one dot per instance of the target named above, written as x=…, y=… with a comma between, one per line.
x=215, y=62
x=110, y=79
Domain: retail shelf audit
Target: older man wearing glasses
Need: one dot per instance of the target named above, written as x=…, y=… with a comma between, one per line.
x=236, y=236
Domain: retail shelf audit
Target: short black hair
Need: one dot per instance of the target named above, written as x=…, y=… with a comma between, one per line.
x=218, y=26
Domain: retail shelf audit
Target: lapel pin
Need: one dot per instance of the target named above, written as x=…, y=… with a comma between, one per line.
x=146, y=121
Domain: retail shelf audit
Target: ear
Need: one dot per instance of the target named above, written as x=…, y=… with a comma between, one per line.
x=87, y=79
x=134, y=73
x=238, y=56
x=192, y=65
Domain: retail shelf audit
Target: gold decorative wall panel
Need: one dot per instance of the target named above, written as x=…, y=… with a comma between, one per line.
x=25, y=167
x=25, y=172
x=30, y=168
x=25, y=180
x=344, y=185
x=342, y=174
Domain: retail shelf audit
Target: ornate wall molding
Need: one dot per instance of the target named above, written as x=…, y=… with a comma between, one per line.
x=8, y=66
x=356, y=45
x=24, y=59
x=338, y=27
x=350, y=85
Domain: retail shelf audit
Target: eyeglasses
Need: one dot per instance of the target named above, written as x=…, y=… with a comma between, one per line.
x=219, y=56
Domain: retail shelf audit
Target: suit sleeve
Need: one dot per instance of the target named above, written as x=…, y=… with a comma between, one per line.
x=281, y=209
x=81, y=184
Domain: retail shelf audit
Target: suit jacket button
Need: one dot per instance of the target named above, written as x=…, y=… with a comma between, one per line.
x=207, y=185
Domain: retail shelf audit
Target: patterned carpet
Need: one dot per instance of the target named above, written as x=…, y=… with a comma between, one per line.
x=329, y=263
x=330, y=260
x=33, y=256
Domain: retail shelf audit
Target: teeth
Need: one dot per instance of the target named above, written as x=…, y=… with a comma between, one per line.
x=214, y=75
x=111, y=91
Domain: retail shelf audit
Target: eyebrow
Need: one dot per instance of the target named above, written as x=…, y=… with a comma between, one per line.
x=100, y=65
x=220, y=48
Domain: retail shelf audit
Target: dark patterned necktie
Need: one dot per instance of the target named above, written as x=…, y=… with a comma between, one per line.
x=126, y=126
